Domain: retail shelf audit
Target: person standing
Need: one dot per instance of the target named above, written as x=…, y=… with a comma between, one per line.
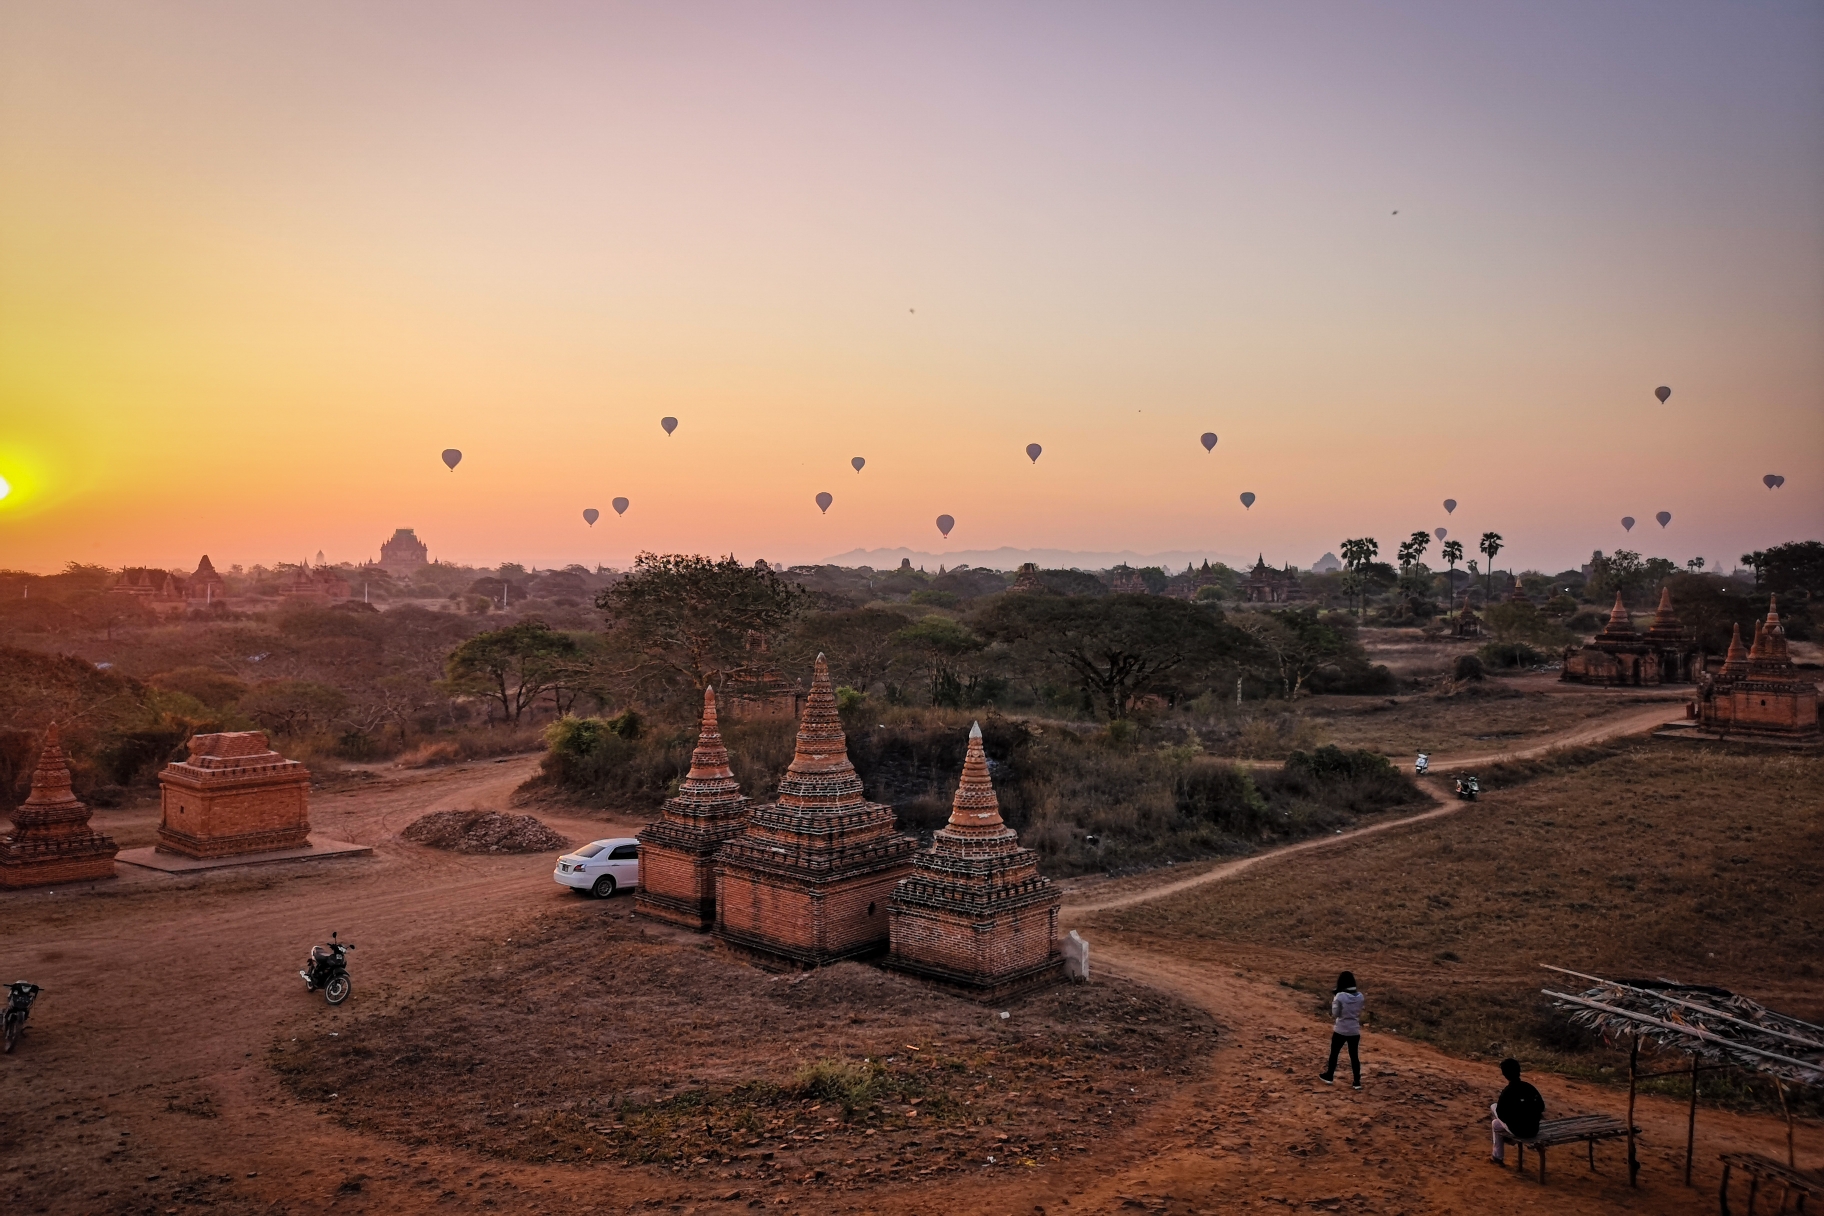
x=1346, y=1008
x=1516, y=1113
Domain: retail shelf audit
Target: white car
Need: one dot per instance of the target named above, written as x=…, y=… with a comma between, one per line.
x=601, y=868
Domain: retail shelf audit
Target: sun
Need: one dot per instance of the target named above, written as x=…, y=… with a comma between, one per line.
x=5, y=489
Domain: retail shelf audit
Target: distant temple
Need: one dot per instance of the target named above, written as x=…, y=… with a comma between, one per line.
x=806, y=882
x=757, y=689
x=52, y=841
x=1758, y=692
x=678, y=851
x=322, y=585
x=976, y=913
x=404, y=553
x=1125, y=580
x=1194, y=579
x=1265, y=585
x=1466, y=624
x=1620, y=654
x=159, y=590
x=1027, y=580
x=205, y=588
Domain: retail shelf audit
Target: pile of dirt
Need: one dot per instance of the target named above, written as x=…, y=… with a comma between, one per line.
x=483, y=832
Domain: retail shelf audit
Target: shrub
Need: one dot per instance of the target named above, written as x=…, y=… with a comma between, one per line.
x=844, y=1082
x=1508, y=656
x=1352, y=678
x=1467, y=667
x=935, y=599
x=1223, y=795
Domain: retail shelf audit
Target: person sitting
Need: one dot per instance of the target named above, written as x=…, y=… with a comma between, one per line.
x=1516, y=1112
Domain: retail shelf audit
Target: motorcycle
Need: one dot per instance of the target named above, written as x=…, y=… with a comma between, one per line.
x=326, y=967
x=1422, y=765
x=20, y=996
x=1468, y=788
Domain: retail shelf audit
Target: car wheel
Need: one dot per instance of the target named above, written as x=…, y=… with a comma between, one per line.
x=336, y=991
x=603, y=888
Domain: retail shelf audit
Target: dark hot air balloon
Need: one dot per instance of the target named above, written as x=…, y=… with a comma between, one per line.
x=1770, y=481
x=945, y=523
x=1627, y=523
x=1778, y=482
x=1440, y=533
x=620, y=506
x=857, y=462
x=1209, y=441
x=1247, y=499
x=1450, y=504
x=452, y=457
x=1664, y=518
x=823, y=502
x=590, y=515
x=1662, y=392
x=1033, y=450
x=670, y=424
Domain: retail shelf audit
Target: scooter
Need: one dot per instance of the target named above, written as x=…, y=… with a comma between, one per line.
x=1422, y=765
x=20, y=996
x=1468, y=788
x=326, y=967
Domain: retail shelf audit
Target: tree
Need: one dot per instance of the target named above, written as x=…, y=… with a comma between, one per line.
x=1295, y=644
x=1798, y=566
x=515, y=666
x=692, y=615
x=1117, y=648
x=1621, y=572
x=1413, y=548
x=940, y=642
x=1453, y=553
x=1491, y=545
x=294, y=707
x=1357, y=554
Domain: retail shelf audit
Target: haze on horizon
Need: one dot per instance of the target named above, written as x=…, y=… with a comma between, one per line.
x=259, y=265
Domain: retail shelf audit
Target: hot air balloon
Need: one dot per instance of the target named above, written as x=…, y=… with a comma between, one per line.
x=1770, y=481
x=1662, y=392
x=823, y=502
x=1450, y=504
x=857, y=462
x=1440, y=533
x=1033, y=450
x=1627, y=523
x=452, y=457
x=945, y=523
x=670, y=424
x=1247, y=499
x=1664, y=518
x=620, y=506
x=590, y=515
x=1209, y=441
x=1778, y=482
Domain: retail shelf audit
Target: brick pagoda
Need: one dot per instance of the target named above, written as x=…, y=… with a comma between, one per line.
x=976, y=913
x=233, y=795
x=678, y=851
x=806, y=882
x=1620, y=654
x=1758, y=692
x=52, y=841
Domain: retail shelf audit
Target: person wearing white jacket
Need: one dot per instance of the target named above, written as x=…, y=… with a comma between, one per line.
x=1346, y=1008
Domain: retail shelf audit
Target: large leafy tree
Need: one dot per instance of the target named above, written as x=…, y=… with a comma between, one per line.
x=1798, y=566
x=940, y=644
x=691, y=615
x=1295, y=645
x=515, y=666
x=1117, y=648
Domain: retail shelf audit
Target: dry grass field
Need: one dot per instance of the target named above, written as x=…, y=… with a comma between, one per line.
x=1504, y=713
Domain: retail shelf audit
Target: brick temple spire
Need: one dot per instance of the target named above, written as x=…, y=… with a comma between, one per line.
x=1736, y=661
x=52, y=841
x=677, y=852
x=807, y=879
x=976, y=913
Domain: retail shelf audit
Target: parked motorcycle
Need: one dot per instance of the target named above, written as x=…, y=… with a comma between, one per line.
x=19, y=998
x=327, y=968
x=1468, y=788
x=1422, y=765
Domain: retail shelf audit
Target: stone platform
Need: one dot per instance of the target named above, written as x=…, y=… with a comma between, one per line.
x=319, y=848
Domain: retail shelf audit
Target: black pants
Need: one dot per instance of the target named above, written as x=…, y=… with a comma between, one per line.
x=1355, y=1059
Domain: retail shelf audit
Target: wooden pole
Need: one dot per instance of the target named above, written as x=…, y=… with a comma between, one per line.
x=1633, y=1085
x=1787, y=1111
x=1691, y=1123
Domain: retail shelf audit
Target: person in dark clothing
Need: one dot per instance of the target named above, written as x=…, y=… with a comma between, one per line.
x=1346, y=1008
x=1516, y=1112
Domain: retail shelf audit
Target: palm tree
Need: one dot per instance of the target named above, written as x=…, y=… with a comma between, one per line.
x=1357, y=554
x=1491, y=545
x=1453, y=553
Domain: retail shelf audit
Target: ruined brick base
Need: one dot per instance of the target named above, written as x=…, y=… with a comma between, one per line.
x=186, y=845
x=1012, y=983
x=25, y=866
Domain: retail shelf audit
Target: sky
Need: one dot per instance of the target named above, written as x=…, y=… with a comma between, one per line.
x=261, y=264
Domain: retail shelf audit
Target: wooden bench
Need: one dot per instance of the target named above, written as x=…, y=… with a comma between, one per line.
x=1553, y=1132
x=1765, y=1169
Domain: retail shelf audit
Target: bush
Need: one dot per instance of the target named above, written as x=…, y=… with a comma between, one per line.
x=1222, y=795
x=848, y=1084
x=1587, y=621
x=1353, y=678
x=1509, y=656
x=934, y=599
x=1467, y=667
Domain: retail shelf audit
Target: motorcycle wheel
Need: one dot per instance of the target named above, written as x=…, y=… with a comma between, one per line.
x=337, y=990
x=603, y=888
x=12, y=1033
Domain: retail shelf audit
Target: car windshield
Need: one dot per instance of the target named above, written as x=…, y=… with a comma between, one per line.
x=589, y=850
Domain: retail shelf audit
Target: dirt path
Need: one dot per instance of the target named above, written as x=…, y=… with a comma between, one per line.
x=1632, y=722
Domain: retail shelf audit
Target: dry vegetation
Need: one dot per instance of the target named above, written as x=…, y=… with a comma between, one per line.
x=1499, y=714
x=589, y=1038
x=1645, y=859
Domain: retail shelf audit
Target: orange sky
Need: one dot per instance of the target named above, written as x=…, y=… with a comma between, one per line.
x=258, y=267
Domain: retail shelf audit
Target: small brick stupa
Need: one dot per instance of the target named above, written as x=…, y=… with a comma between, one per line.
x=52, y=841
x=1621, y=654
x=233, y=795
x=1759, y=692
x=678, y=852
x=807, y=880
x=976, y=913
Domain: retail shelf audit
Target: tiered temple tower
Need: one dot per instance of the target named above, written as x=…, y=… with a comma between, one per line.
x=1620, y=654
x=677, y=852
x=1760, y=693
x=233, y=795
x=52, y=841
x=806, y=882
x=976, y=913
